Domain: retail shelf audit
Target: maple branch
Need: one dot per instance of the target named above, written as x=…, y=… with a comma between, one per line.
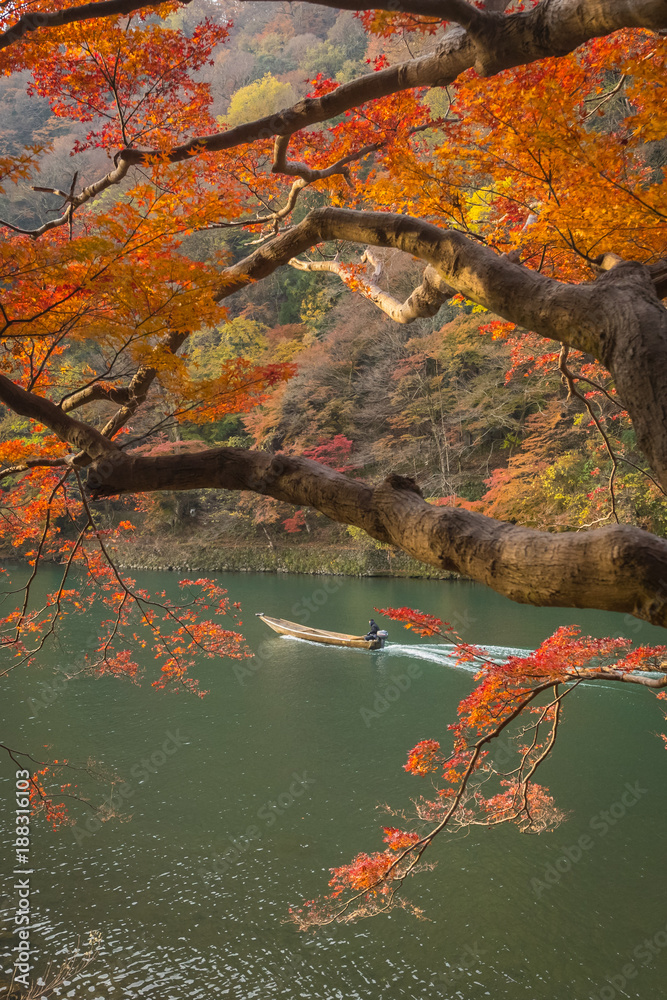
x=569, y=377
x=488, y=42
x=74, y=432
x=95, y=393
x=35, y=567
x=609, y=674
x=440, y=10
x=492, y=43
x=293, y=168
x=460, y=11
x=616, y=568
x=280, y=213
x=618, y=318
x=425, y=300
x=130, y=397
x=397, y=872
x=56, y=19
x=138, y=388
x=281, y=165
x=452, y=10
x=307, y=175
x=32, y=463
x=115, y=176
x=496, y=281
x=606, y=97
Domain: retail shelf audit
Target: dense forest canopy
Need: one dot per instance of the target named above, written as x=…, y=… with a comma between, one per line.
x=403, y=265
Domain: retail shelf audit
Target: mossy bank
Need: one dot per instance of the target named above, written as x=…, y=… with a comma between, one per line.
x=190, y=556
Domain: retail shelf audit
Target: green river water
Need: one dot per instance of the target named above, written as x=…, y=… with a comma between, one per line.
x=301, y=745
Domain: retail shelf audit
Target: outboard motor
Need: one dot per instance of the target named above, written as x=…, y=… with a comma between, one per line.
x=382, y=636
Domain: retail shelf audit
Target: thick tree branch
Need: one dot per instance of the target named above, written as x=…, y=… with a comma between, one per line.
x=658, y=272
x=425, y=300
x=447, y=10
x=617, y=568
x=96, y=393
x=534, y=300
x=626, y=677
x=33, y=463
x=441, y=10
x=74, y=432
x=434, y=9
x=570, y=379
x=618, y=318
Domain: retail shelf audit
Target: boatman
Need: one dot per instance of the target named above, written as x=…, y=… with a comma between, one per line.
x=373, y=630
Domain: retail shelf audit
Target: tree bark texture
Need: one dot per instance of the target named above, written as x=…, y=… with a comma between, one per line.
x=617, y=568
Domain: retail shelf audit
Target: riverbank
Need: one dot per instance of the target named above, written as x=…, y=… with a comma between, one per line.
x=305, y=558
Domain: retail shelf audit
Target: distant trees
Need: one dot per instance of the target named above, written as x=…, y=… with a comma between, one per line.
x=263, y=97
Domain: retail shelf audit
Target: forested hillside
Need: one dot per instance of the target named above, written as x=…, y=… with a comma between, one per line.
x=348, y=386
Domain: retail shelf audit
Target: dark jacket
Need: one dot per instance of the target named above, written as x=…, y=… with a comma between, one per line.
x=373, y=630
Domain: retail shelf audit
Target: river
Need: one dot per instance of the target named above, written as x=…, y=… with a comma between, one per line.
x=300, y=746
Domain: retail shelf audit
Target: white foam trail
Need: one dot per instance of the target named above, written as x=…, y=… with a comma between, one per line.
x=445, y=654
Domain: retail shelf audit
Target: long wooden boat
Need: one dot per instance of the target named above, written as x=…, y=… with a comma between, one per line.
x=297, y=631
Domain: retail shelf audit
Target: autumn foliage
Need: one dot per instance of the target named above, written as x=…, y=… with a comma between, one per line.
x=116, y=349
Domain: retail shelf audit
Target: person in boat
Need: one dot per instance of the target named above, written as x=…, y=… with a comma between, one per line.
x=373, y=630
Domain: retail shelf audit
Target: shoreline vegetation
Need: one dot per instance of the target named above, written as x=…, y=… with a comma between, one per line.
x=281, y=557
x=307, y=559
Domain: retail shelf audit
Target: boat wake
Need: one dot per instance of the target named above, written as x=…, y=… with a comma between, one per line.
x=445, y=654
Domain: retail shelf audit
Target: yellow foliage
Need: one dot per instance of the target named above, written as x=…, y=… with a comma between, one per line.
x=263, y=97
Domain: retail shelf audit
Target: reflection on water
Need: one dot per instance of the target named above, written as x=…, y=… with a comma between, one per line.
x=276, y=777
